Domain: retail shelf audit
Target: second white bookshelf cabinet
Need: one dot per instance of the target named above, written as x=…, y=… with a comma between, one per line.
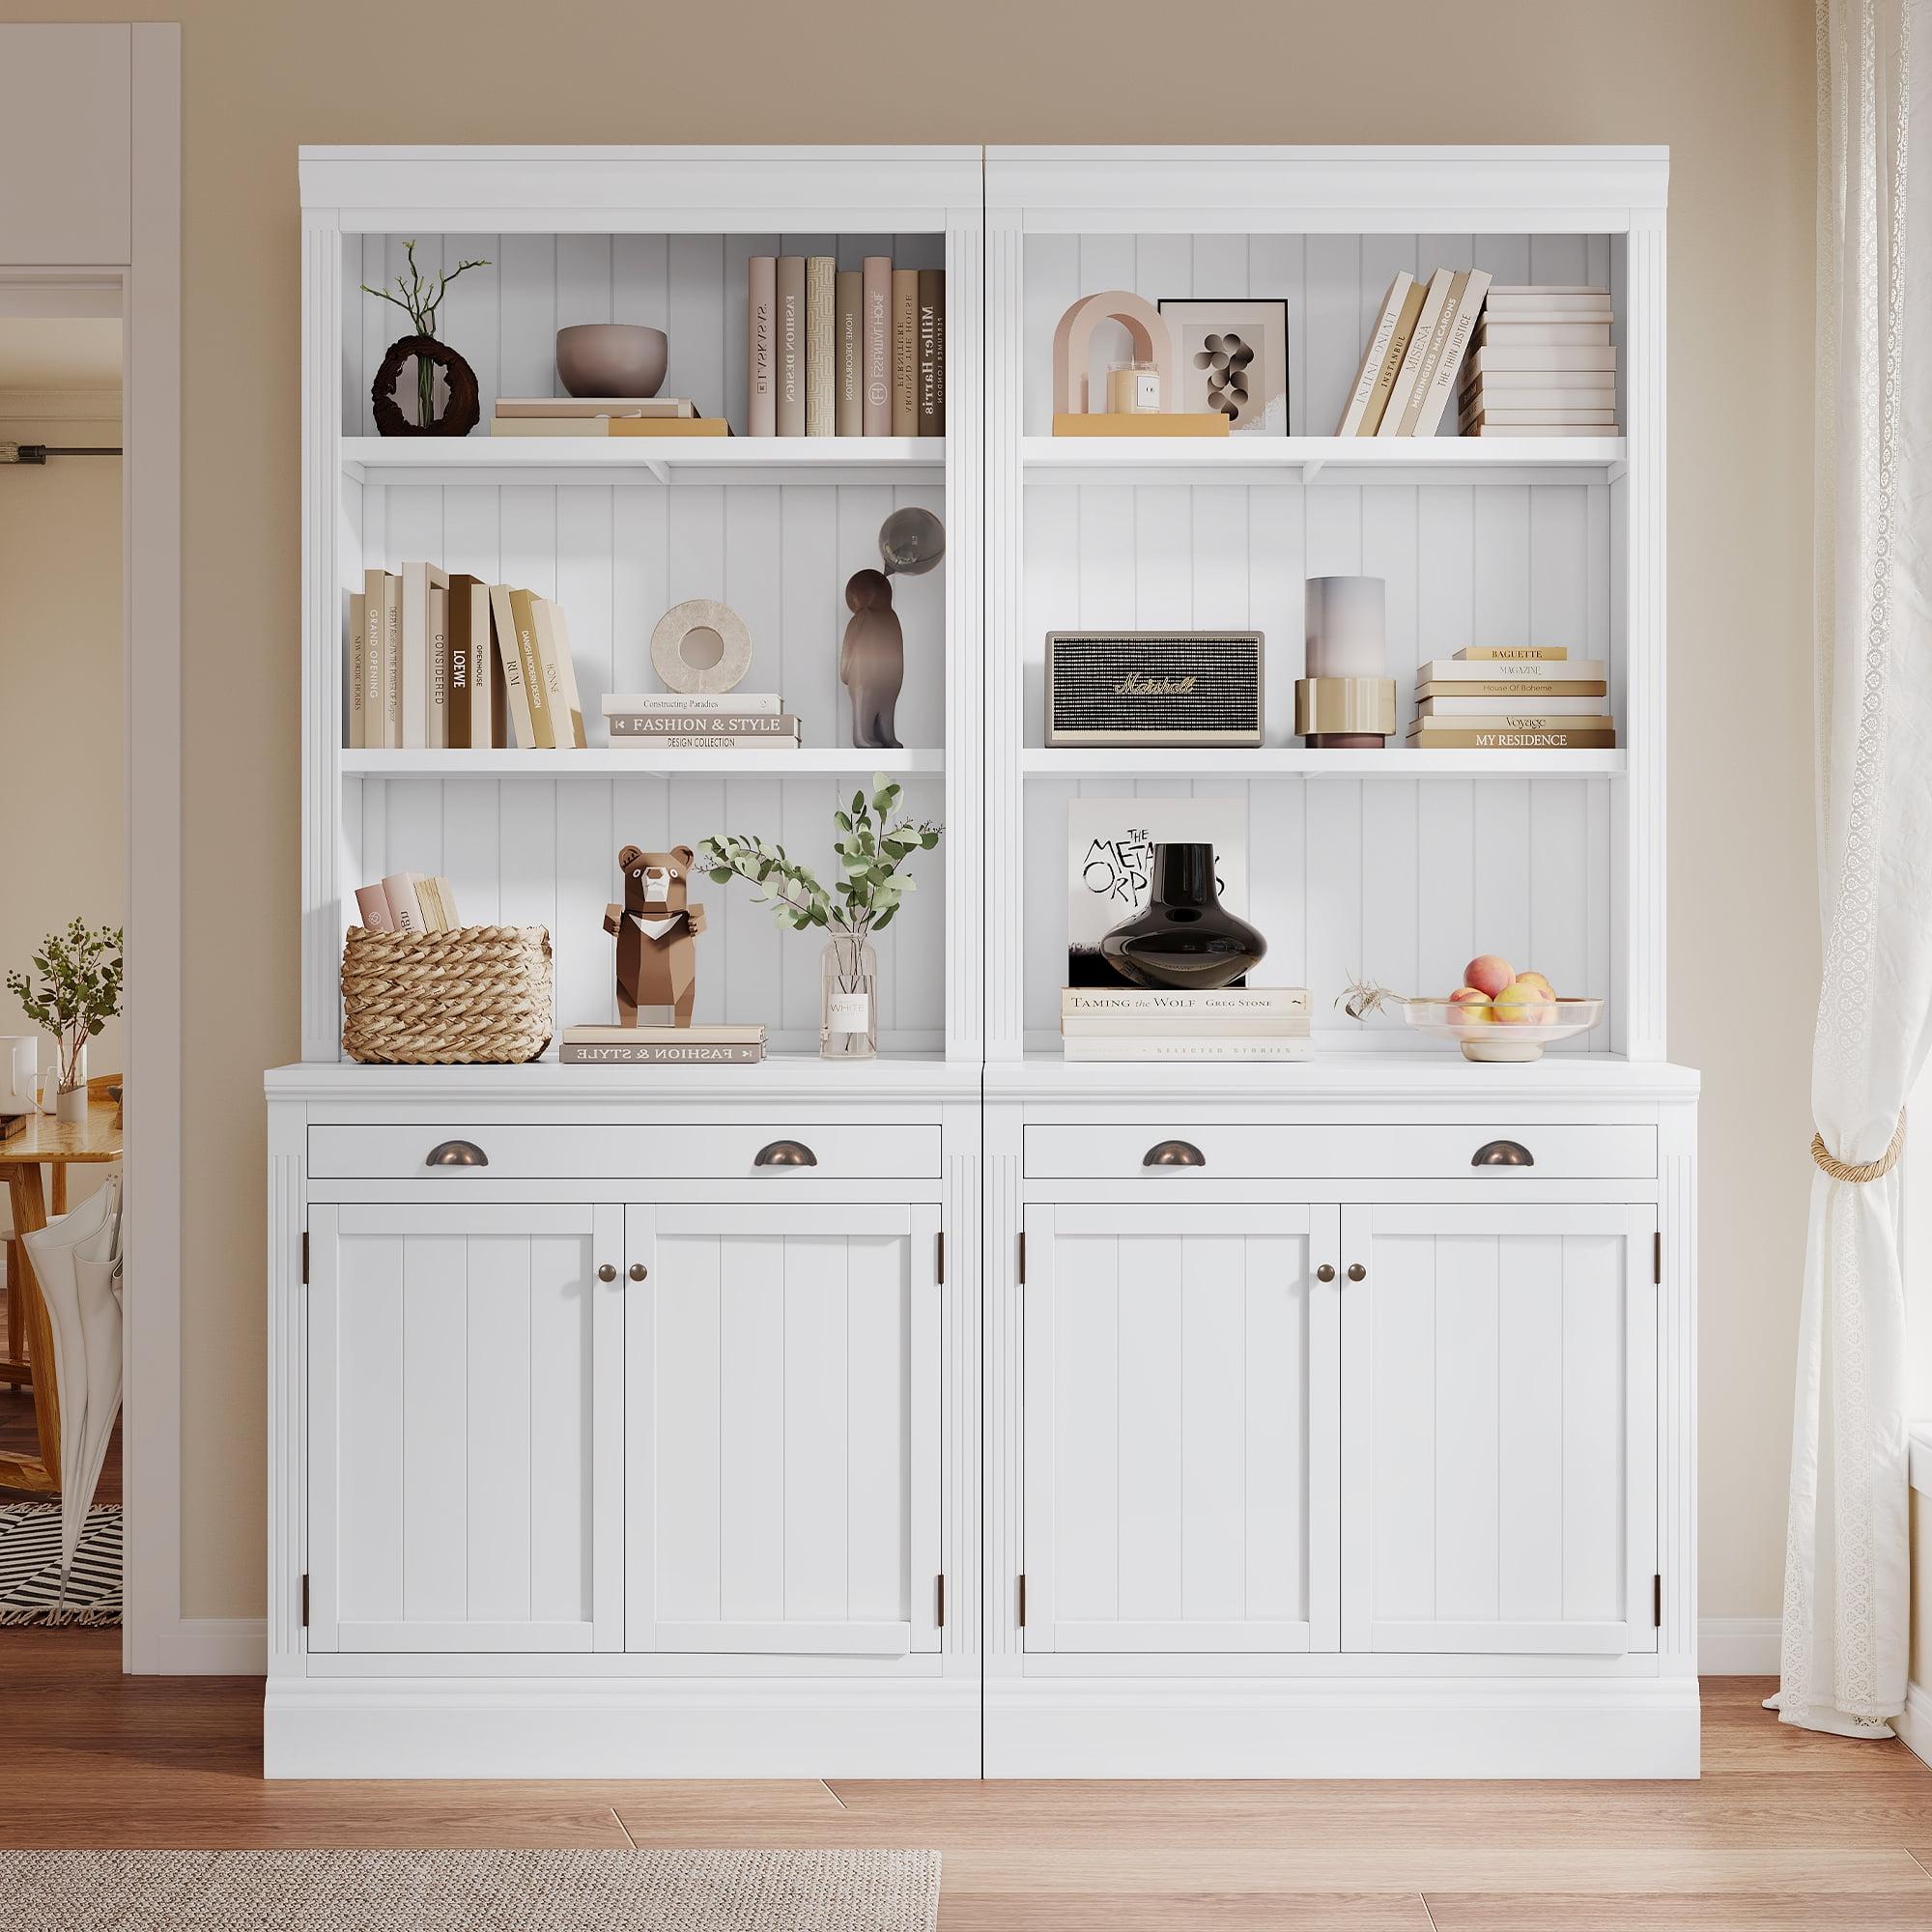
x=627, y=1443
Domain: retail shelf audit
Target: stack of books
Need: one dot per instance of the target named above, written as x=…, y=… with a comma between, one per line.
x=603, y=416
x=843, y=352
x=661, y=1045
x=440, y=661
x=1415, y=355
x=718, y=721
x=1163, y=1023
x=1513, y=697
x=1542, y=365
x=409, y=902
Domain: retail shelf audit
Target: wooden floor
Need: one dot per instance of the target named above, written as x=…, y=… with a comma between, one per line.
x=1784, y=1829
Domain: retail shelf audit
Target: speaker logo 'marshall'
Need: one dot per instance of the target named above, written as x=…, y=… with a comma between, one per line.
x=1141, y=684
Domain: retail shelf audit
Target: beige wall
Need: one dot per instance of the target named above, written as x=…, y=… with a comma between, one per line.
x=1726, y=83
x=60, y=696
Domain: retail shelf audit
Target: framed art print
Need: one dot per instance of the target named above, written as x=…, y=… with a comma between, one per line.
x=1231, y=356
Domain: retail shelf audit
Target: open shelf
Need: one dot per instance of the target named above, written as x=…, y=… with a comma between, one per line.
x=602, y=762
x=663, y=459
x=1279, y=761
x=1332, y=459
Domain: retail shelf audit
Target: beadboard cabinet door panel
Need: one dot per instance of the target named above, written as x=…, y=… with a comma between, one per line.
x=1181, y=1422
x=464, y=1428
x=783, y=1433
x=1499, y=1396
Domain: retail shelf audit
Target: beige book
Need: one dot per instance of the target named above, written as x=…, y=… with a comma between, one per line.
x=1440, y=339
x=510, y=655
x=1518, y=413
x=356, y=729
x=553, y=640
x=1374, y=352
x=445, y=899
x=588, y=1036
x=1392, y=359
x=1553, y=740
x=373, y=902
x=905, y=351
x=1498, y=334
x=1410, y=375
x=1488, y=362
x=1501, y=671
x=1536, y=689
x=406, y=913
x=438, y=668
x=848, y=352
x=1533, y=714
x=558, y=407
x=820, y=348
x=384, y=592
x=876, y=288
x=375, y=606
x=1513, y=653
x=1449, y=365
x=418, y=581
x=1549, y=294
x=1491, y=395
x=761, y=298
x=539, y=679
x=789, y=362
x=1480, y=427
x=1192, y=422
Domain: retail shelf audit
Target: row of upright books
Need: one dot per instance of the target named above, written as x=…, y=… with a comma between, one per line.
x=1172, y=1023
x=720, y=721
x=441, y=660
x=1513, y=697
x=1543, y=365
x=603, y=416
x=844, y=351
x=1520, y=360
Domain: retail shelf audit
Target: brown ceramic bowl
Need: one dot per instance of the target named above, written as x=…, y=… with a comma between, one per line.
x=611, y=358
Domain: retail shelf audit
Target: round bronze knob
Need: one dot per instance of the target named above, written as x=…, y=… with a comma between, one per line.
x=785, y=1154
x=1357, y=1273
x=1325, y=1272
x=639, y=1270
x=1174, y=1153
x=607, y=1272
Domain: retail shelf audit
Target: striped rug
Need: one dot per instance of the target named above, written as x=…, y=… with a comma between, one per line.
x=30, y=1578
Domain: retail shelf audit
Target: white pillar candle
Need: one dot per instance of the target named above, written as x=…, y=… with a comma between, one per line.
x=1346, y=623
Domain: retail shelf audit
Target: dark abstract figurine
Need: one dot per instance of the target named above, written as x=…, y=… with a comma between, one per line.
x=871, y=659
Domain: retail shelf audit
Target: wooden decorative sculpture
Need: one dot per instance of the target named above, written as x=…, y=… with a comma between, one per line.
x=460, y=414
x=871, y=659
x=1073, y=346
x=656, y=929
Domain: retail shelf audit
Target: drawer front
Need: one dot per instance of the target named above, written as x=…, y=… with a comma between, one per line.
x=1482, y=1150
x=840, y=1150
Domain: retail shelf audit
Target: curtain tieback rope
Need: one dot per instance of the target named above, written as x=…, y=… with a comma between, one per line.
x=1870, y=1170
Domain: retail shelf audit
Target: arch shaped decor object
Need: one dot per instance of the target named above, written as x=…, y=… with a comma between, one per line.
x=1073, y=346
x=460, y=414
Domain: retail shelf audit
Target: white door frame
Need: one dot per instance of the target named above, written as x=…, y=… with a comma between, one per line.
x=145, y=291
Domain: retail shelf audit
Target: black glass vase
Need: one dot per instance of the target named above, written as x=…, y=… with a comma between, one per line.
x=1185, y=937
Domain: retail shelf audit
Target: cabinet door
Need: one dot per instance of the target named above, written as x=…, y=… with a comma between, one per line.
x=1181, y=1429
x=783, y=1433
x=1499, y=1403
x=464, y=1377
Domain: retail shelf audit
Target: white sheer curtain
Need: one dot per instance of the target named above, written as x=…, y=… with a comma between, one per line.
x=1846, y=1560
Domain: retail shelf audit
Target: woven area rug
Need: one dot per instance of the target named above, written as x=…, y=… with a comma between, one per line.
x=30, y=1578
x=469, y=1891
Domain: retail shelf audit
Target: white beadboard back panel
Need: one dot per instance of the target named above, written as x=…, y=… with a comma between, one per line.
x=1333, y=285
x=538, y=851
x=617, y=557
x=503, y=318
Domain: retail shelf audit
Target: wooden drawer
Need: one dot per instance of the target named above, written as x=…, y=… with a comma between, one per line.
x=1098, y=1152
x=841, y=1150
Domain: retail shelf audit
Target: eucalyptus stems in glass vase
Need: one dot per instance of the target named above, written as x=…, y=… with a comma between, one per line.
x=871, y=844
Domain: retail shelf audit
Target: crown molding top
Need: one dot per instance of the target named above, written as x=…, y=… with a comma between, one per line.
x=1341, y=189
x=622, y=190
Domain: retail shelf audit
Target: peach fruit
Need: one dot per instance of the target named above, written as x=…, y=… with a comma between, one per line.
x=1472, y=1008
x=1487, y=973
x=1536, y=979
x=1520, y=1003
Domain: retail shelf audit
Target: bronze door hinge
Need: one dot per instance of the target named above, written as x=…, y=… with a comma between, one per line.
x=1022, y=1257
x=304, y=1599
x=938, y=1598
x=1657, y=1258
x=1023, y=1601
x=305, y=1256
x=1657, y=1603
x=939, y=1257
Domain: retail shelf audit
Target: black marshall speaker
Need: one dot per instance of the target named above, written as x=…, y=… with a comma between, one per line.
x=1153, y=687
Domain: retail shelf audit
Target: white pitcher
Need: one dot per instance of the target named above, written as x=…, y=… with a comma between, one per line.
x=20, y=1072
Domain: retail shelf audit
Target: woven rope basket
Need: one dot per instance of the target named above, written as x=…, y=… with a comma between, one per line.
x=481, y=993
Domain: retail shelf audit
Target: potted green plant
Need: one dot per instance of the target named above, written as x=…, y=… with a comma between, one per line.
x=79, y=992
x=872, y=847
x=419, y=297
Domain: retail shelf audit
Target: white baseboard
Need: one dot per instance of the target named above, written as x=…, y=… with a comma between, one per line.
x=213, y=1647
x=1738, y=1647
x=1914, y=1724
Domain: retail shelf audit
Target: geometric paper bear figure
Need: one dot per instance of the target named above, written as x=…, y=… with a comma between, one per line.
x=656, y=928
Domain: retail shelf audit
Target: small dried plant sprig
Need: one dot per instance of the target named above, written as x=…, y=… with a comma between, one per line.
x=79, y=990
x=872, y=848
x=1361, y=997
x=416, y=295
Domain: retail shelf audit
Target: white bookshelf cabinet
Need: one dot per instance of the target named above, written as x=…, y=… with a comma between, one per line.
x=979, y=1447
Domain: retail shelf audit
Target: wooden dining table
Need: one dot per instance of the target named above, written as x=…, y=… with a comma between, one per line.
x=46, y=1143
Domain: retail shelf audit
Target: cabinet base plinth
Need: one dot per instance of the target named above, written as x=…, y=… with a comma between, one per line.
x=606, y=1728
x=1247, y=1728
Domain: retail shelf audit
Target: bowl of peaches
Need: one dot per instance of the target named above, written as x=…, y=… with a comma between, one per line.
x=1499, y=1014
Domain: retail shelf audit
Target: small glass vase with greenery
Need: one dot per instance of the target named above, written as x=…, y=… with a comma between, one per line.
x=871, y=845
x=79, y=991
